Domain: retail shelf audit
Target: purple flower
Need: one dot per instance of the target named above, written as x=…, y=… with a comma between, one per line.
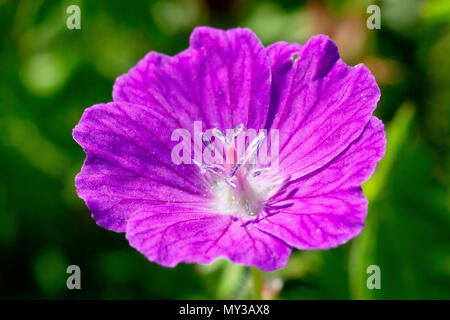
x=329, y=144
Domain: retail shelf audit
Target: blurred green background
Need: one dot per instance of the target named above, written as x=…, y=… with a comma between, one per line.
x=49, y=75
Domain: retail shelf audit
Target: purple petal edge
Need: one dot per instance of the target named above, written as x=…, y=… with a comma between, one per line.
x=328, y=208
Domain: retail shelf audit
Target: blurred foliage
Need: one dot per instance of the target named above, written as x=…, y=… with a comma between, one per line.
x=49, y=75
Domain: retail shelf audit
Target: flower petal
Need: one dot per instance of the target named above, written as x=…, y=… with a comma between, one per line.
x=223, y=79
x=327, y=208
x=128, y=165
x=319, y=104
x=174, y=234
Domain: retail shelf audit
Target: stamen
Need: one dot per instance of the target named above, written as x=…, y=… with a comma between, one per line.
x=230, y=183
x=235, y=132
x=207, y=141
x=259, y=171
x=219, y=134
x=208, y=167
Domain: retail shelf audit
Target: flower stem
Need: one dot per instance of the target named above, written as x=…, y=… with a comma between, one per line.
x=257, y=283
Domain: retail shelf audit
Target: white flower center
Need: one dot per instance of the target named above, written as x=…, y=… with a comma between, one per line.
x=239, y=187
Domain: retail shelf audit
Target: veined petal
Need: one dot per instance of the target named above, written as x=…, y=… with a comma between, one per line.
x=329, y=144
x=128, y=165
x=173, y=234
x=327, y=208
x=319, y=104
x=223, y=79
